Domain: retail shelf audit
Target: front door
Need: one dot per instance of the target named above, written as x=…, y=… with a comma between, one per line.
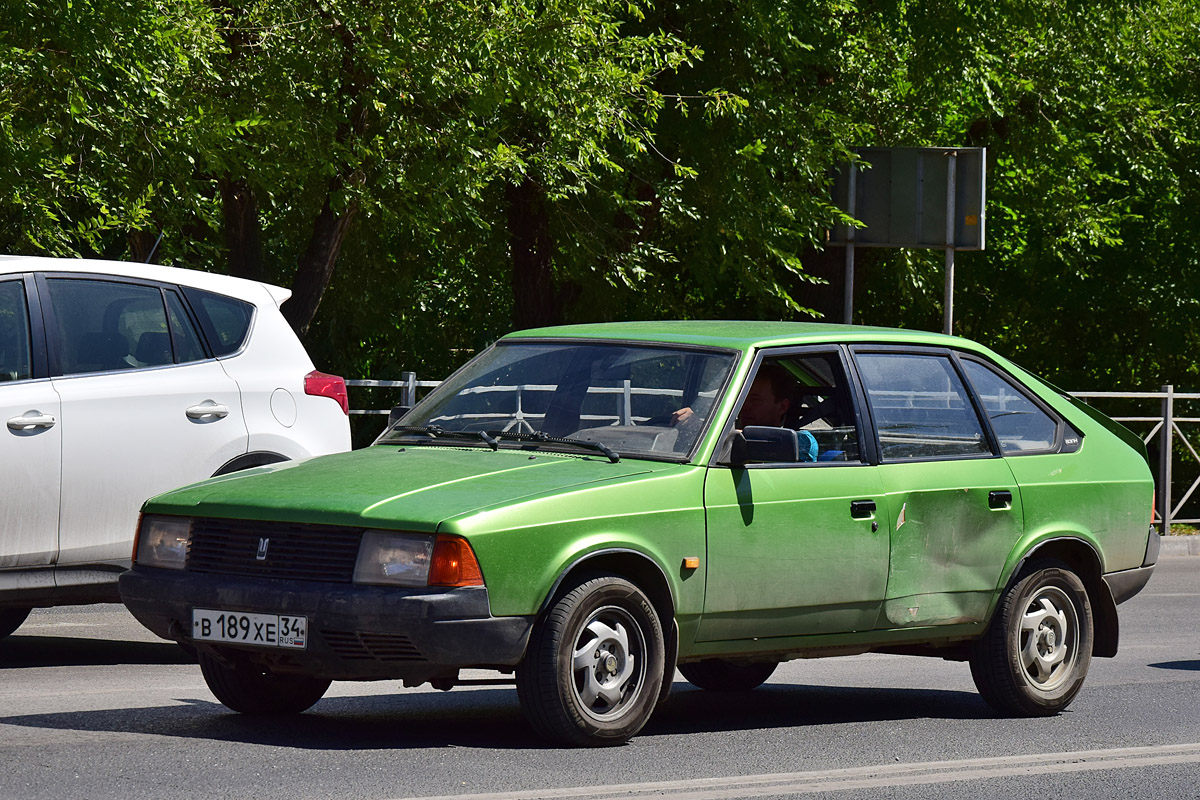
x=30, y=441
x=796, y=548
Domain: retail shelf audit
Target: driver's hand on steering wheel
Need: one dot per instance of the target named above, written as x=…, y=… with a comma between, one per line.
x=681, y=416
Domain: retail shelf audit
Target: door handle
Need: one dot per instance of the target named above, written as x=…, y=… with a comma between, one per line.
x=208, y=410
x=862, y=509
x=1000, y=500
x=31, y=420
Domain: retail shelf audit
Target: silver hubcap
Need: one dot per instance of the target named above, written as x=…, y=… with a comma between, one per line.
x=1049, y=639
x=608, y=663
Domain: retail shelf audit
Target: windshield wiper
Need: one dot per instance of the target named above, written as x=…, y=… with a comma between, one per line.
x=538, y=436
x=437, y=431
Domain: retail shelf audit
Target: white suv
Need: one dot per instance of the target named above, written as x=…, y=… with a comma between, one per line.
x=119, y=381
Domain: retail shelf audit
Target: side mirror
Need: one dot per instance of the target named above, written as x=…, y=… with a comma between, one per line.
x=759, y=443
x=396, y=413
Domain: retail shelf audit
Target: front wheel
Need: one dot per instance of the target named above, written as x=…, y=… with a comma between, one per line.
x=594, y=666
x=11, y=619
x=1036, y=652
x=249, y=690
x=719, y=675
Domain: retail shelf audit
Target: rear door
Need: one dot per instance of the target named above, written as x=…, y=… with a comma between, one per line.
x=145, y=409
x=954, y=503
x=31, y=438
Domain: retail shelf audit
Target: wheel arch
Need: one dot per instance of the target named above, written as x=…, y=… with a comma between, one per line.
x=645, y=573
x=258, y=458
x=1085, y=560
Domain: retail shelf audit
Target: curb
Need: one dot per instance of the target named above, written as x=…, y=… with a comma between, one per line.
x=1180, y=546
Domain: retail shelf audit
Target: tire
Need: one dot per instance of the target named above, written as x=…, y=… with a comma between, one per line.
x=249, y=690
x=11, y=619
x=594, y=666
x=719, y=675
x=1033, y=658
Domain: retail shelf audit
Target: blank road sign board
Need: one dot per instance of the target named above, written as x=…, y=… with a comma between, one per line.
x=901, y=194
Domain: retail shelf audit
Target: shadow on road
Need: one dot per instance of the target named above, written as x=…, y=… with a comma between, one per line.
x=1193, y=665
x=491, y=719
x=775, y=705
x=18, y=652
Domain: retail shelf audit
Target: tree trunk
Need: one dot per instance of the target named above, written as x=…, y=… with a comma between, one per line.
x=315, y=267
x=537, y=299
x=829, y=298
x=142, y=245
x=243, y=237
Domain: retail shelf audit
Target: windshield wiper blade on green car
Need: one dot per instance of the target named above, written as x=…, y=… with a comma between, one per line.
x=437, y=431
x=538, y=436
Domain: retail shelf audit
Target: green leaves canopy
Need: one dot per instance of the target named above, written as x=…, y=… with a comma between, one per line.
x=425, y=174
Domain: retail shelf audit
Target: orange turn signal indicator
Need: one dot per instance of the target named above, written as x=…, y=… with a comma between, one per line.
x=453, y=563
x=691, y=562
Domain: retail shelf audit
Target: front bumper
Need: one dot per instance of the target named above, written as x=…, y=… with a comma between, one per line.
x=354, y=632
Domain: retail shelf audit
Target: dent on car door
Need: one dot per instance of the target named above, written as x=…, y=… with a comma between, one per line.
x=30, y=440
x=795, y=546
x=955, y=505
x=144, y=410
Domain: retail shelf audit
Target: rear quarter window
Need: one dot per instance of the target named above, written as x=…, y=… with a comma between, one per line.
x=1020, y=426
x=224, y=320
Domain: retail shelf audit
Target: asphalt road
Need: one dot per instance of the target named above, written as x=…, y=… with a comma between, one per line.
x=93, y=706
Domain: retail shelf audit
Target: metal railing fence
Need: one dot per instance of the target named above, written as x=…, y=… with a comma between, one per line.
x=1164, y=436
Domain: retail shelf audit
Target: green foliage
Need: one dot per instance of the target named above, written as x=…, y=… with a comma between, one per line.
x=674, y=159
x=97, y=119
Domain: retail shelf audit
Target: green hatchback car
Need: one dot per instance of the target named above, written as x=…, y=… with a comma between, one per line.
x=587, y=508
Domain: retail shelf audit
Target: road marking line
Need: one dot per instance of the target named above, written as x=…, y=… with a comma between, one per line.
x=871, y=777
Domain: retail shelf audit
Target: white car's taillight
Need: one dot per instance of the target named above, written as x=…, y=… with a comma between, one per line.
x=322, y=384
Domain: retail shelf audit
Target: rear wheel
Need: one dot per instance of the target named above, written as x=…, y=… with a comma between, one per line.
x=1035, y=655
x=11, y=619
x=719, y=675
x=249, y=690
x=594, y=666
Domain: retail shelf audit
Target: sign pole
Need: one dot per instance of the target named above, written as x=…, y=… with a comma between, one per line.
x=951, y=190
x=848, y=300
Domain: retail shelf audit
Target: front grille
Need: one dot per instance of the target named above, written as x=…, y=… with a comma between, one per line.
x=364, y=646
x=291, y=551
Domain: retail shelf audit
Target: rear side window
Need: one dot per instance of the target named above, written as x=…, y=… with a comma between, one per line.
x=16, y=354
x=1020, y=425
x=105, y=326
x=920, y=406
x=224, y=320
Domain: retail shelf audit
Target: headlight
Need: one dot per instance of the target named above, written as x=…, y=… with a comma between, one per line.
x=396, y=559
x=163, y=542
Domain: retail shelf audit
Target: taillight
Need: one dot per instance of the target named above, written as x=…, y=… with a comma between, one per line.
x=137, y=537
x=322, y=384
x=454, y=564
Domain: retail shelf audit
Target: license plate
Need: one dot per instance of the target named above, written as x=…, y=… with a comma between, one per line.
x=267, y=630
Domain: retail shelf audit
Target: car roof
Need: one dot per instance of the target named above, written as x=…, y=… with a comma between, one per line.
x=744, y=334
x=224, y=284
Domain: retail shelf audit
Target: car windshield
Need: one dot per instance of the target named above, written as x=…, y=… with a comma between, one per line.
x=633, y=400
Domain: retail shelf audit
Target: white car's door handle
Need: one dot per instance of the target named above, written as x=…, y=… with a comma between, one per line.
x=31, y=420
x=208, y=410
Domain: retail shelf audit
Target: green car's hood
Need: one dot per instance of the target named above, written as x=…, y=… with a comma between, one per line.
x=410, y=488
